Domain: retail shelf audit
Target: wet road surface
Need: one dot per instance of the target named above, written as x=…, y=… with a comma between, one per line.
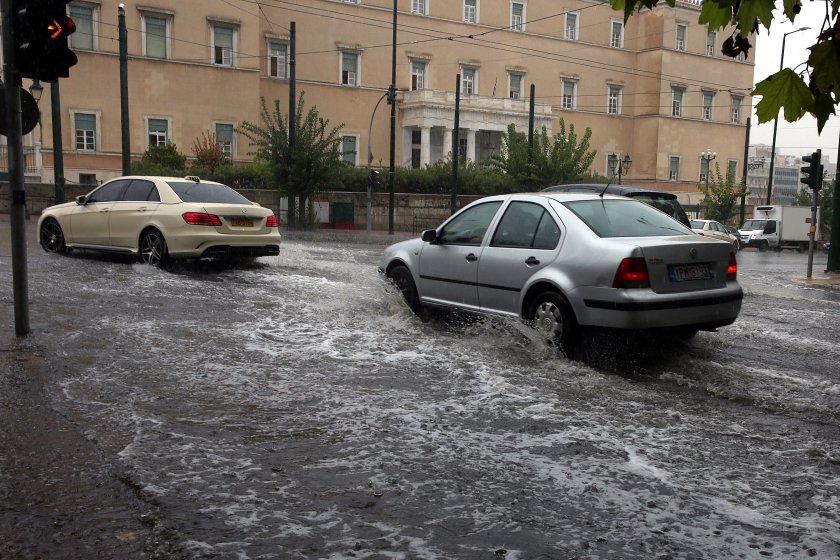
x=297, y=409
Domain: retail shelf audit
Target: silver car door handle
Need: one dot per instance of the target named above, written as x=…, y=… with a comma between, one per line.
x=532, y=261
x=471, y=257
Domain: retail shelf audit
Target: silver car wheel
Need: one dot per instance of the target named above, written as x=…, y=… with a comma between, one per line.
x=548, y=320
x=153, y=248
x=551, y=315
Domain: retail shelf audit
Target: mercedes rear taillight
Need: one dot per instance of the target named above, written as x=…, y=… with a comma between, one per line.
x=201, y=219
x=271, y=221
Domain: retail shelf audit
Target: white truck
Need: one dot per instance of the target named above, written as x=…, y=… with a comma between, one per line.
x=778, y=227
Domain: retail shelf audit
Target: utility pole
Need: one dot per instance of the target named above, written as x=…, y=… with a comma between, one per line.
x=393, y=100
x=746, y=169
x=58, y=148
x=126, y=133
x=456, y=144
x=14, y=139
x=531, y=126
x=292, y=117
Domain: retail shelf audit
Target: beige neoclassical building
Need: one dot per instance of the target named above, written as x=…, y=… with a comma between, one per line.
x=656, y=88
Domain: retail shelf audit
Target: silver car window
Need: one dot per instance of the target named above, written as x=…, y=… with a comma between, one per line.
x=526, y=224
x=469, y=227
x=625, y=218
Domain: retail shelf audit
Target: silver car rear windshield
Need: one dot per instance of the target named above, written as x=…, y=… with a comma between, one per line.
x=625, y=218
x=189, y=191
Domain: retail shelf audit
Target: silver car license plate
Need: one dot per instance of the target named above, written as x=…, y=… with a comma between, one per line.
x=688, y=272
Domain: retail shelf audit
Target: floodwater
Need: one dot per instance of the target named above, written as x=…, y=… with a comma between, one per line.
x=296, y=408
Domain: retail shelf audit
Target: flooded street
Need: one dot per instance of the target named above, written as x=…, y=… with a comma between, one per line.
x=295, y=408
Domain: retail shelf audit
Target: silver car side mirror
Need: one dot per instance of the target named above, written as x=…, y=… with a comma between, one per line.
x=429, y=236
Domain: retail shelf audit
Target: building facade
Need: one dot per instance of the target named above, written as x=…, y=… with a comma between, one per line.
x=787, y=176
x=656, y=89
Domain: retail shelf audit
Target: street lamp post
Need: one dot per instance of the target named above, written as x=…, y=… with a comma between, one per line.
x=776, y=120
x=623, y=166
x=708, y=156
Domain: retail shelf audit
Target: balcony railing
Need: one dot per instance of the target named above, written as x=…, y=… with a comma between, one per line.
x=29, y=165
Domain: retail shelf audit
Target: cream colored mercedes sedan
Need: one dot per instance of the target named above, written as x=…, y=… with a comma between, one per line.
x=161, y=218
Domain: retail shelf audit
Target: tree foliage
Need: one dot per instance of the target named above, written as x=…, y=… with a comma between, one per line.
x=562, y=158
x=310, y=165
x=722, y=196
x=209, y=153
x=786, y=89
x=161, y=160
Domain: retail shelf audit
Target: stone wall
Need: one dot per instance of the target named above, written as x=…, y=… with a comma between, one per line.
x=412, y=212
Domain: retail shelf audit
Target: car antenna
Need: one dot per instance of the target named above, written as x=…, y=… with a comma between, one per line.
x=601, y=194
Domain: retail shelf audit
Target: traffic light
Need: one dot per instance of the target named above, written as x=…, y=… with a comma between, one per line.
x=41, y=29
x=813, y=172
x=373, y=179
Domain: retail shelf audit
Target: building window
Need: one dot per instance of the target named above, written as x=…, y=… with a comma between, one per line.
x=735, y=113
x=158, y=132
x=277, y=59
x=572, y=26
x=223, y=38
x=708, y=98
x=156, y=36
x=88, y=179
x=471, y=11
x=704, y=169
x=617, y=34
x=568, y=98
x=462, y=149
x=418, y=7
x=677, y=101
x=711, y=39
x=515, y=89
x=418, y=74
x=614, y=100
x=468, y=81
x=674, y=168
x=612, y=165
x=224, y=138
x=349, y=152
x=85, y=125
x=681, y=30
x=349, y=68
x=416, y=141
x=517, y=16
x=83, y=17
x=731, y=170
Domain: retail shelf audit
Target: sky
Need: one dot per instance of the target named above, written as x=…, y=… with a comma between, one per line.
x=800, y=137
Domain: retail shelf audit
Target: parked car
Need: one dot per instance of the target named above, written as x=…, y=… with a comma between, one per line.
x=664, y=201
x=158, y=218
x=827, y=247
x=711, y=228
x=563, y=261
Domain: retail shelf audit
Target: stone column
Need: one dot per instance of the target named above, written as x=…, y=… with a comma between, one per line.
x=471, y=145
x=447, y=143
x=425, y=146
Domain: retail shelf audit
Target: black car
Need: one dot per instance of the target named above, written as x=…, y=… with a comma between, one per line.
x=663, y=201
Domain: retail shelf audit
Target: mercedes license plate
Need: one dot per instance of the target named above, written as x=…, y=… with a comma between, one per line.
x=688, y=272
x=236, y=221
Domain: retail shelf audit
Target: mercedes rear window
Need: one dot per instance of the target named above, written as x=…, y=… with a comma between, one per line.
x=625, y=218
x=189, y=191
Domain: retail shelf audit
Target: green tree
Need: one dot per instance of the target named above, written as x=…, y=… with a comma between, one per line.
x=208, y=153
x=785, y=89
x=562, y=158
x=825, y=203
x=722, y=196
x=311, y=165
x=161, y=160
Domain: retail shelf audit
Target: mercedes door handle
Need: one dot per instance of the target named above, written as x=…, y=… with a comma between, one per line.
x=471, y=257
x=531, y=261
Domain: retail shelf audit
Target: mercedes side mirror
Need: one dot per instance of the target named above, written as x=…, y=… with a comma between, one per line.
x=81, y=199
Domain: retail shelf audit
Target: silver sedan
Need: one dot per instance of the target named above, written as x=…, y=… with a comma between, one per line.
x=563, y=261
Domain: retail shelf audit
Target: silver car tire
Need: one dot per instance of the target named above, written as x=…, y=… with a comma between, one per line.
x=401, y=277
x=52, y=237
x=153, y=249
x=551, y=315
